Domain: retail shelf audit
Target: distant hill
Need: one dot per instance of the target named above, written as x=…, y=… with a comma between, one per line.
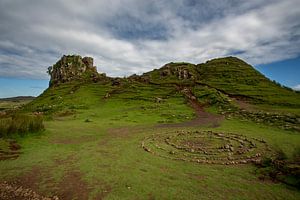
x=13, y=103
x=18, y=98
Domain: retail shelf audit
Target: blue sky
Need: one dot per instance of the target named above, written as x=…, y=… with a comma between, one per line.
x=286, y=72
x=135, y=36
x=11, y=87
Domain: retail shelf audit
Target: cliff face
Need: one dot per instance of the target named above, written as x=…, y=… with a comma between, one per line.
x=70, y=68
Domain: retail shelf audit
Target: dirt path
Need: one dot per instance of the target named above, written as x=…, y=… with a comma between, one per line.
x=243, y=104
x=202, y=117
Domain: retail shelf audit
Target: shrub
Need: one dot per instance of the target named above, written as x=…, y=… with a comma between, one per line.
x=281, y=168
x=20, y=124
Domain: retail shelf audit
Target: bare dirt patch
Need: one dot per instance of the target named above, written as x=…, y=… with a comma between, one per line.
x=65, y=161
x=12, y=152
x=30, y=179
x=243, y=104
x=73, y=187
x=196, y=176
x=14, y=192
x=120, y=132
x=24, y=187
x=74, y=140
x=126, y=131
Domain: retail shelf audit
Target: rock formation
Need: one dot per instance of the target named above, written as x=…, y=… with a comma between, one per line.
x=181, y=71
x=73, y=67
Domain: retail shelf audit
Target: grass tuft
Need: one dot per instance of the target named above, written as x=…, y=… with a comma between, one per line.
x=20, y=124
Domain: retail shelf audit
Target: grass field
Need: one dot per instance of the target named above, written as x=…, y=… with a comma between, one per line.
x=91, y=148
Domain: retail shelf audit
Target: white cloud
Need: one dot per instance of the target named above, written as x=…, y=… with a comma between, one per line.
x=296, y=87
x=35, y=34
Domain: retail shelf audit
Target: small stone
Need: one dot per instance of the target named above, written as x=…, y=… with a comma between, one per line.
x=172, y=152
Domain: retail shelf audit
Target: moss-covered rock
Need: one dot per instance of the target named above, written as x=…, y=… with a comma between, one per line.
x=72, y=67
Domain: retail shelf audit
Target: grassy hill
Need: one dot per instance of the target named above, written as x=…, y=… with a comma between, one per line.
x=223, y=78
x=217, y=130
x=238, y=79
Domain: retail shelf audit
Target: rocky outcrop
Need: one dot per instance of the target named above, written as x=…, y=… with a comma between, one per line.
x=180, y=71
x=72, y=67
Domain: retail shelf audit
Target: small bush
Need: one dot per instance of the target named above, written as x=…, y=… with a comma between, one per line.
x=280, y=155
x=296, y=155
x=281, y=168
x=20, y=124
x=87, y=120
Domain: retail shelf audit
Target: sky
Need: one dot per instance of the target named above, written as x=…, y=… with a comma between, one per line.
x=135, y=36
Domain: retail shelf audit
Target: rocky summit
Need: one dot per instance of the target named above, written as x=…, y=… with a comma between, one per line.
x=72, y=67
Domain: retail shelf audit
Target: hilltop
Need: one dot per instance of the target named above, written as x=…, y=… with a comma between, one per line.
x=18, y=98
x=70, y=68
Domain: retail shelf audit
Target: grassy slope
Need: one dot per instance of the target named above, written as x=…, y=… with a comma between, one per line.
x=110, y=158
x=236, y=77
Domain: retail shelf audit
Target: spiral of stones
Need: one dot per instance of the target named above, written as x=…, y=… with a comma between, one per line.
x=206, y=147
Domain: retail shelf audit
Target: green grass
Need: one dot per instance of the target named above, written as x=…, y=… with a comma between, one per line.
x=101, y=137
x=20, y=124
x=230, y=76
x=107, y=150
x=119, y=162
x=237, y=78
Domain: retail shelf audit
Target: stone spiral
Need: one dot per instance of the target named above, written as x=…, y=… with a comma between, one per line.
x=206, y=147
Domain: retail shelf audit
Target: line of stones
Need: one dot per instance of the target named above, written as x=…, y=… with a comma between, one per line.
x=240, y=160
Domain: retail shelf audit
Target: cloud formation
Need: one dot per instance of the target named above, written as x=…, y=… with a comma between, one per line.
x=296, y=87
x=134, y=36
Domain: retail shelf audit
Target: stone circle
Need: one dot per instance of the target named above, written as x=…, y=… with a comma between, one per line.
x=206, y=147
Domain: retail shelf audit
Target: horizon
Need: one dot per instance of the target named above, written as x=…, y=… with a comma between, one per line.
x=144, y=35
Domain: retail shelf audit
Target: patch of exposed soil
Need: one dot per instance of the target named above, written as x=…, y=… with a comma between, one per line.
x=74, y=140
x=30, y=179
x=14, y=192
x=196, y=176
x=243, y=104
x=126, y=131
x=65, y=161
x=120, y=132
x=12, y=152
x=23, y=187
x=73, y=187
